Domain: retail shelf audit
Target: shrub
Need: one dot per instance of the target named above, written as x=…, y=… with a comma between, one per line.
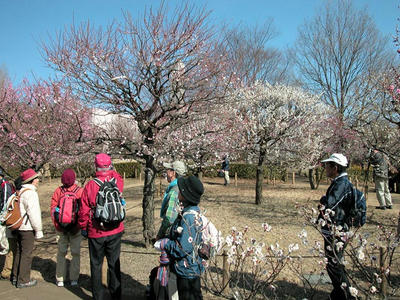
x=131, y=169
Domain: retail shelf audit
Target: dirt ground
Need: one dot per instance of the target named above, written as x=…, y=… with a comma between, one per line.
x=225, y=206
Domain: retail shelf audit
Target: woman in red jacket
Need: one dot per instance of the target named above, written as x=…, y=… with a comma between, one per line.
x=68, y=235
x=102, y=241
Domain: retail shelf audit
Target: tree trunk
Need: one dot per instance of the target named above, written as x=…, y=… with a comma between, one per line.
x=200, y=175
x=260, y=177
x=148, y=201
x=315, y=180
x=311, y=179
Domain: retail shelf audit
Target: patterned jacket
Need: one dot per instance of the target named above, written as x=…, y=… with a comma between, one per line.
x=182, y=246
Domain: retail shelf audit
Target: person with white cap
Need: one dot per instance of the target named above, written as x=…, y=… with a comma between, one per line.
x=170, y=203
x=338, y=199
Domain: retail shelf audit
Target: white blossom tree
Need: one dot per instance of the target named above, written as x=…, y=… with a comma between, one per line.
x=277, y=121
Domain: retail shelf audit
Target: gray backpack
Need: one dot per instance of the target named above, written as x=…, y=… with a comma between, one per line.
x=110, y=206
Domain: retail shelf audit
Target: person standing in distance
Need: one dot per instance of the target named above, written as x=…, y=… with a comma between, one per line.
x=380, y=163
x=225, y=169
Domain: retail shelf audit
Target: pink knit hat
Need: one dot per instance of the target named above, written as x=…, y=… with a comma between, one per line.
x=102, y=160
x=68, y=177
x=28, y=175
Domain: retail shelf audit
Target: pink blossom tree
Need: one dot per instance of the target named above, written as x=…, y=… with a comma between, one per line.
x=154, y=70
x=42, y=123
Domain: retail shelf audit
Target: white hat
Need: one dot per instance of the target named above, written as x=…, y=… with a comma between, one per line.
x=178, y=166
x=338, y=158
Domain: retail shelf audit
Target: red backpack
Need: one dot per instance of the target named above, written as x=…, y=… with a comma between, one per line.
x=66, y=212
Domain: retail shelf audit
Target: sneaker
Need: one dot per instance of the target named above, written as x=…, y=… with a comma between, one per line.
x=60, y=283
x=388, y=206
x=74, y=282
x=380, y=207
x=14, y=282
x=31, y=283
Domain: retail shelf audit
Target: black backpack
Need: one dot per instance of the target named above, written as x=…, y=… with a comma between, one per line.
x=358, y=211
x=110, y=206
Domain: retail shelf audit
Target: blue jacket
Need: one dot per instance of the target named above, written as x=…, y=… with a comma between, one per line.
x=182, y=247
x=339, y=198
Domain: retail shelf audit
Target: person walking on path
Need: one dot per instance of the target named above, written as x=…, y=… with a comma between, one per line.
x=102, y=241
x=170, y=204
x=225, y=169
x=30, y=230
x=69, y=236
x=338, y=199
x=380, y=163
x=184, y=239
x=6, y=259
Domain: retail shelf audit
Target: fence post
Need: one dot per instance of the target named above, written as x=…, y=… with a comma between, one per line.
x=104, y=269
x=236, y=179
x=225, y=271
x=383, y=275
x=140, y=176
x=124, y=176
x=293, y=178
x=160, y=191
x=274, y=181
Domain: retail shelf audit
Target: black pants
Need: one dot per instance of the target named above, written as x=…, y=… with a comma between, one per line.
x=110, y=247
x=336, y=271
x=189, y=289
x=22, y=263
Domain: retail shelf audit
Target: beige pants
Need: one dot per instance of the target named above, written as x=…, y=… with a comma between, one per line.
x=74, y=242
x=226, y=177
x=9, y=257
x=382, y=191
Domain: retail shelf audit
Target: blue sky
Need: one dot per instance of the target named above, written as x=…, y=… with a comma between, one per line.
x=25, y=23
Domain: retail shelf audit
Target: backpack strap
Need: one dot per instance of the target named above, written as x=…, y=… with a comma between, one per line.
x=98, y=181
x=18, y=194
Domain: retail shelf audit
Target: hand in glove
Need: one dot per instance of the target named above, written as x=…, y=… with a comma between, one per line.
x=159, y=245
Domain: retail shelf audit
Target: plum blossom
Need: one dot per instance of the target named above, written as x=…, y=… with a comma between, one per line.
x=266, y=227
x=353, y=291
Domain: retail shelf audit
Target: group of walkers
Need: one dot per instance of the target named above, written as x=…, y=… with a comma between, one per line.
x=178, y=238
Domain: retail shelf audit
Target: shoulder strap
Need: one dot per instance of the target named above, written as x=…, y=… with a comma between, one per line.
x=190, y=212
x=23, y=191
x=98, y=181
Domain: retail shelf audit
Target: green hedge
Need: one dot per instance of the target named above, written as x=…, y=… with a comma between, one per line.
x=131, y=169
